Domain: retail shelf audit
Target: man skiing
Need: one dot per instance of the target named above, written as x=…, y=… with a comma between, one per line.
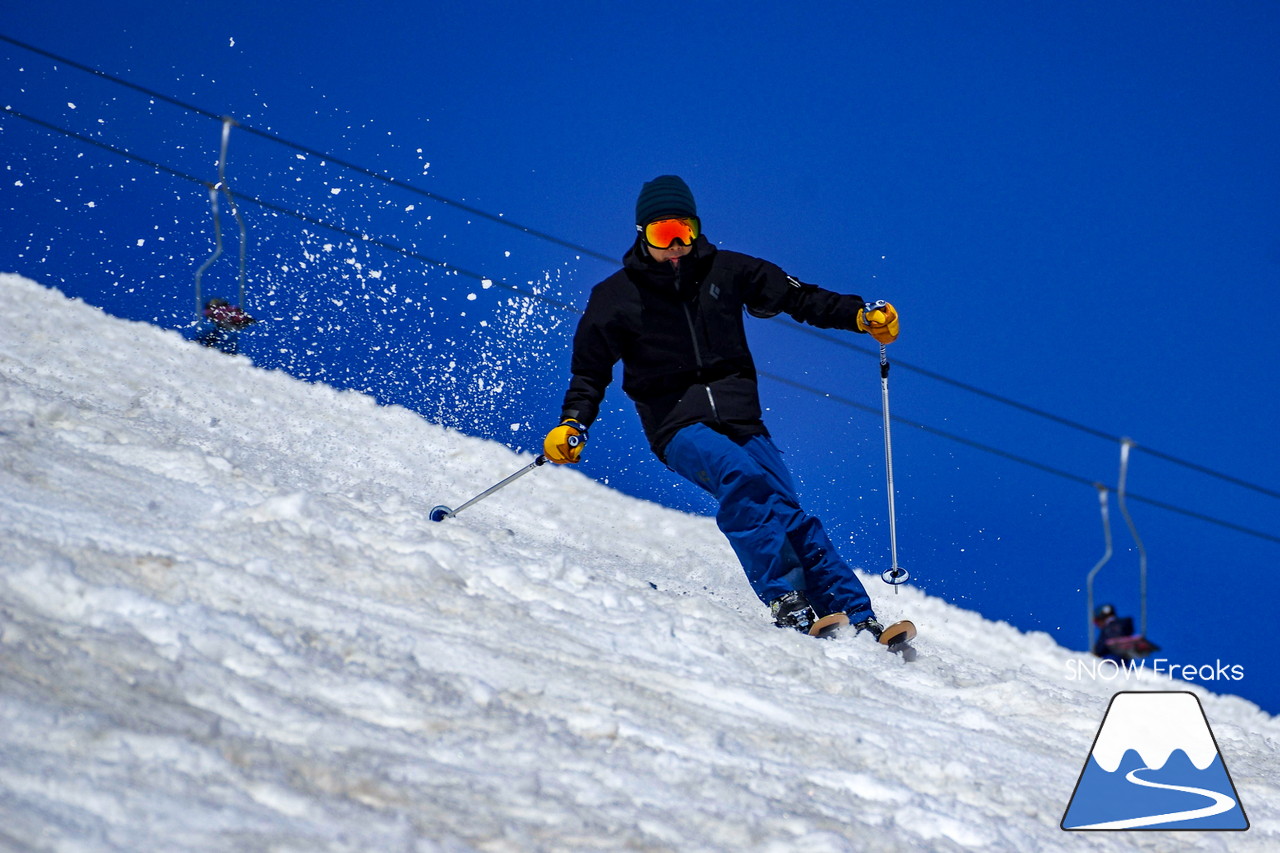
x=674, y=316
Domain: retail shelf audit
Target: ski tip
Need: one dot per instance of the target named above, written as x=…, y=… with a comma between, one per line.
x=828, y=625
x=898, y=632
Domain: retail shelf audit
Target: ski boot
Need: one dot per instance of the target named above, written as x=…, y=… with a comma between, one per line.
x=793, y=611
x=871, y=626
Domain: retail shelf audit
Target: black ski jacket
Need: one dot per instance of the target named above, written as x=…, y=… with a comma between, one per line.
x=679, y=334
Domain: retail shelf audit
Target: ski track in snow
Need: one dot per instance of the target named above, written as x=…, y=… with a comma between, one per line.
x=227, y=624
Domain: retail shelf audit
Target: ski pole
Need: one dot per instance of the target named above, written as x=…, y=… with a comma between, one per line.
x=895, y=574
x=440, y=513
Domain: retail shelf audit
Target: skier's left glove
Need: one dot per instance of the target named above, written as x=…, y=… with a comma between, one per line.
x=879, y=320
x=564, y=444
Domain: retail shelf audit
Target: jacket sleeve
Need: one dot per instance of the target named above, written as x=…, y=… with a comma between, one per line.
x=595, y=352
x=773, y=292
x=825, y=309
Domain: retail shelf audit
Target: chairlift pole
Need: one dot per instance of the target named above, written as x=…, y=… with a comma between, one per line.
x=1106, y=534
x=217, y=250
x=1125, y=445
x=214, y=190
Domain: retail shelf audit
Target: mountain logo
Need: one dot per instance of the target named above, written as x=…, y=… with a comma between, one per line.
x=1155, y=765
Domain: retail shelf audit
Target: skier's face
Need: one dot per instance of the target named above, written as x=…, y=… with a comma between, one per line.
x=674, y=253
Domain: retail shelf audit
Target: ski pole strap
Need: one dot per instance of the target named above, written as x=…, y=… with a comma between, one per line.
x=573, y=440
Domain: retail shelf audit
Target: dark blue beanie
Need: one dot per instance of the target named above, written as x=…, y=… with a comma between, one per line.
x=665, y=197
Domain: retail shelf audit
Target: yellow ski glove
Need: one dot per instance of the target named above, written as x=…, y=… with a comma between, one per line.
x=564, y=443
x=879, y=320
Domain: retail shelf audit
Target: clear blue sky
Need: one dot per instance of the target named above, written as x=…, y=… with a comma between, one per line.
x=1072, y=205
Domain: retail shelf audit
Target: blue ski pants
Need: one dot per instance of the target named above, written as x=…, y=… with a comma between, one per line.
x=781, y=547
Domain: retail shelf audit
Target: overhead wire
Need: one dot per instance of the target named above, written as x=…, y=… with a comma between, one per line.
x=818, y=392
x=285, y=211
x=586, y=251
x=305, y=149
x=1032, y=410
x=589, y=252
x=1012, y=457
x=602, y=256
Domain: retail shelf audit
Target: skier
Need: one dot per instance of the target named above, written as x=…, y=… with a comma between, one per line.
x=225, y=323
x=674, y=316
x=1116, y=638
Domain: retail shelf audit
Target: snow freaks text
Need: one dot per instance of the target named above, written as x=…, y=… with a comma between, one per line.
x=1111, y=670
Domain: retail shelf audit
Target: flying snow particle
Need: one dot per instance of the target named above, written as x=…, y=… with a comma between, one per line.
x=71, y=105
x=233, y=42
x=334, y=190
x=141, y=242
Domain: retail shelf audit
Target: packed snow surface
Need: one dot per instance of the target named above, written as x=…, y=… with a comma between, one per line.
x=229, y=625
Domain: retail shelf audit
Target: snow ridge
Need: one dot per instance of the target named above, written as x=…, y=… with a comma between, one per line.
x=226, y=623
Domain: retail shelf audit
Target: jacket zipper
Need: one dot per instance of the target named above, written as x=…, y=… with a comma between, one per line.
x=697, y=351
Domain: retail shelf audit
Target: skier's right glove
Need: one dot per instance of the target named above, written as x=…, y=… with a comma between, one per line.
x=564, y=443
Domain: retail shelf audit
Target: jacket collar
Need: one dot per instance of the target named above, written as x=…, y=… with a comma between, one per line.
x=693, y=267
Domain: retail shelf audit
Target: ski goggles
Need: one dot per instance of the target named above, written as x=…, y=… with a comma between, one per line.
x=665, y=232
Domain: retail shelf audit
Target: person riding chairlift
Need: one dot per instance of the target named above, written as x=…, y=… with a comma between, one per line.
x=226, y=321
x=1116, y=638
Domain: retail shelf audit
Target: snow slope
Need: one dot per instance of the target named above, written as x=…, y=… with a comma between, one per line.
x=228, y=625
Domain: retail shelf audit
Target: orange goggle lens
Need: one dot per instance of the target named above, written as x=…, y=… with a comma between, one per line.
x=665, y=232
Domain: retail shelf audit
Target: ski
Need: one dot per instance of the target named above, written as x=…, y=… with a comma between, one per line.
x=898, y=634
x=897, y=639
x=829, y=626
